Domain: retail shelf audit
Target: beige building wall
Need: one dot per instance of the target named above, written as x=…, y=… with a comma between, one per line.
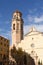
x=33, y=43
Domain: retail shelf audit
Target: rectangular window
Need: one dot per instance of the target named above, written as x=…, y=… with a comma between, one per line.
x=1, y=43
x=17, y=26
x=21, y=27
x=14, y=26
x=0, y=49
x=4, y=44
x=1, y=38
x=0, y=56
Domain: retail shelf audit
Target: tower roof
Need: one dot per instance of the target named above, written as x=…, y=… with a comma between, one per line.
x=17, y=11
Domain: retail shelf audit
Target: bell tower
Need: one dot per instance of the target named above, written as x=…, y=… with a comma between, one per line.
x=17, y=28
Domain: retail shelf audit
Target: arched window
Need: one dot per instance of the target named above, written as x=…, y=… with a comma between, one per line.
x=14, y=26
x=21, y=26
x=17, y=26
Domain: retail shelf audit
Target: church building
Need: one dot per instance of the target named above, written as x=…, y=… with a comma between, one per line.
x=32, y=42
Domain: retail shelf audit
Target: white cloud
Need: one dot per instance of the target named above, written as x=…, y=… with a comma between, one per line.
x=30, y=18
x=33, y=10
x=36, y=19
x=38, y=28
x=26, y=29
x=5, y=33
x=34, y=16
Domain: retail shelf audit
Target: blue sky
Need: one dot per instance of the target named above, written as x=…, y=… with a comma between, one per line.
x=32, y=11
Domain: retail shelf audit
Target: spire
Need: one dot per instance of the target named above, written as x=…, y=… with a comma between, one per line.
x=32, y=29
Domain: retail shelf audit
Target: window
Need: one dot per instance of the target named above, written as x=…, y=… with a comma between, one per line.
x=32, y=38
x=1, y=43
x=0, y=56
x=0, y=49
x=31, y=51
x=4, y=39
x=15, y=17
x=32, y=45
x=21, y=27
x=17, y=26
x=14, y=26
x=4, y=44
x=1, y=38
x=4, y=57
x=7, y=41
x=7, y=45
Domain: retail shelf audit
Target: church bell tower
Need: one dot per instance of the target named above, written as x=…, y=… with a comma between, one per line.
x=17, y=28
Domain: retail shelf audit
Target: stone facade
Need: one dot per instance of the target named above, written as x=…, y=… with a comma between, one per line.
x=33, y=40
x=33, y=44
x=4, y=50
x=17, y=28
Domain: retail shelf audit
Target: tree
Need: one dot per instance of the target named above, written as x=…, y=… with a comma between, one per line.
x=25, y=59
x=21, y=57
